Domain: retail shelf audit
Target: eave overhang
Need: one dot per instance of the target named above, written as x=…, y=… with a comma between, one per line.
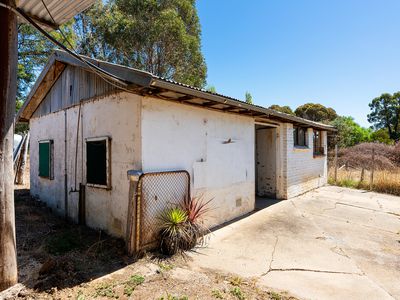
x=146, y=84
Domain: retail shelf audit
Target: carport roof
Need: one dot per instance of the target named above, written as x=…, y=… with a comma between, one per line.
x=61, y=10
x=145, y=83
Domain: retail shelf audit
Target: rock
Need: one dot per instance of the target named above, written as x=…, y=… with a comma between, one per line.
x=12, y=292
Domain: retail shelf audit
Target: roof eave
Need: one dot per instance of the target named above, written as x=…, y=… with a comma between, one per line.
x=23, y=113
x=146, y=80
x=160, y=83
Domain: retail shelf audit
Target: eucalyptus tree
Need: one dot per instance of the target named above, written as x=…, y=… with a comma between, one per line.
x=162, y=37
x=385, y=113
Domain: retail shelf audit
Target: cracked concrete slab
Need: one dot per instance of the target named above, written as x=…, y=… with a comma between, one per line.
x=323, y=256
x=318, y=285
x=331, y=243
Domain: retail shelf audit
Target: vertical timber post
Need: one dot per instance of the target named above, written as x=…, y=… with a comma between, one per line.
x=336, y=155
x=24, y=156
x=8, y=88
x=371, y=184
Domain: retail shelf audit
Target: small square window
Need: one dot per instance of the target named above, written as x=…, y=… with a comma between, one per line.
x=98, y=162
x=299, y=136
x=46, y=159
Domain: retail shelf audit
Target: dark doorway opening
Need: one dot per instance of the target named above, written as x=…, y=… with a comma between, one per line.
x=265, y=161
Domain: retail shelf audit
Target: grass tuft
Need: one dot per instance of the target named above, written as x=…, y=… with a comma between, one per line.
x=237, y=292
x=217, y=294
x=236, y=281
x=132, y=283
x=105, y=290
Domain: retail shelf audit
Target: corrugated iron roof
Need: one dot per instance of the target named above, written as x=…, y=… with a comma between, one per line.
x=183, y=92
x=269, y=111
x=61, y=10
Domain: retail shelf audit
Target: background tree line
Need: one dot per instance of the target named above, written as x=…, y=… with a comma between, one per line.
x=384, y=117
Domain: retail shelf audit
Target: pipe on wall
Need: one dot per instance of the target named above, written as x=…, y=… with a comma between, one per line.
x=65, y=166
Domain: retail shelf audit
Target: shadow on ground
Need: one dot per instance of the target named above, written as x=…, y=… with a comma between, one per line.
x=53, y=253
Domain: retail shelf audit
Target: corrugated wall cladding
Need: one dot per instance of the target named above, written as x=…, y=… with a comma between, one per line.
x=74, y=85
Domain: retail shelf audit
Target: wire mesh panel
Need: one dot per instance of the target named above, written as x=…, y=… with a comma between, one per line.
x=157, y=192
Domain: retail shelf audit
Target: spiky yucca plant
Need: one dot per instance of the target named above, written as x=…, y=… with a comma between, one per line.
x=174, y=231
x=196, y=208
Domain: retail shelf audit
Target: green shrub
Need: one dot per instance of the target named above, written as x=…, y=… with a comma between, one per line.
x=181, y=227
x=174, y=231
x=237, y=292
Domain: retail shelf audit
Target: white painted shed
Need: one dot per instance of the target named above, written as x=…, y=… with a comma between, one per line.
x=87, y=134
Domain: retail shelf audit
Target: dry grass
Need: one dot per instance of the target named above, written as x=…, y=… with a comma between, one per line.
x=385, y=181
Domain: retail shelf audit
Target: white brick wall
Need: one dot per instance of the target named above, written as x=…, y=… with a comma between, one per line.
x=301, y=170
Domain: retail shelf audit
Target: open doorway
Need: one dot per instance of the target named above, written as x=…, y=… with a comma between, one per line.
x=265, y=165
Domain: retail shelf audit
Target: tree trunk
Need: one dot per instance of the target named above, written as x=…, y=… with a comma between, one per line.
x=8, y=86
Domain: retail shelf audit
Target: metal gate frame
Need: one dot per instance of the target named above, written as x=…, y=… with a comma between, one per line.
x=139, y=201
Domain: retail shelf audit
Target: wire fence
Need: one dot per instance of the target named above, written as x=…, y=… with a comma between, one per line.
x=156, y=192
x=364, y=171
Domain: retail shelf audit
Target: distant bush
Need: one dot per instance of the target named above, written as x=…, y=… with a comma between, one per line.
x=355, y=165
x=387, y=157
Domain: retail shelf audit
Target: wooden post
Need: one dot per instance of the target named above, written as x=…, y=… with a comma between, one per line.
x=8, y=88
x=336, y=163
x=24, y=155
x=372, y=170
x=362, y=175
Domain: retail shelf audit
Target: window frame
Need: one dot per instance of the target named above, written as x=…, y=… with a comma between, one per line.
x=108, y=162
x=318, y=150
x=296, y=137
x=51, y=159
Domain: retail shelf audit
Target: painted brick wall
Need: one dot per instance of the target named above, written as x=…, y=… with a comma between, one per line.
x=302, y=171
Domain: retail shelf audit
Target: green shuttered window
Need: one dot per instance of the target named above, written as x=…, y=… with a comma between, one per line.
x=46, y=159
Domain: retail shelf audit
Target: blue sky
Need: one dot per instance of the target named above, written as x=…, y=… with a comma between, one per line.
x=288, y=52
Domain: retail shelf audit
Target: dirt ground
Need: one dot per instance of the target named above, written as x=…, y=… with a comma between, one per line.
x=58, y=260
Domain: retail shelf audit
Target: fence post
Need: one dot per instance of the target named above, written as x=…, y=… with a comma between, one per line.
x=362, y=175
x=336, y=164
x=372, y=170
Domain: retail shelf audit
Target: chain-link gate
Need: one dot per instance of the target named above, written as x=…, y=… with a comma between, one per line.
x=156, y=192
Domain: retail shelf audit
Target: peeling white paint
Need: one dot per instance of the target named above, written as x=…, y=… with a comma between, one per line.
x=217, y=150
x=116, y=116
x=149, y=134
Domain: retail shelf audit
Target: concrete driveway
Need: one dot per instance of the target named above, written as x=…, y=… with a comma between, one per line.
x=331, y=243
